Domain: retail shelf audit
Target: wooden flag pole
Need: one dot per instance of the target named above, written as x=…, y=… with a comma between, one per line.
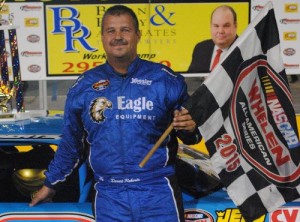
x=156, y=145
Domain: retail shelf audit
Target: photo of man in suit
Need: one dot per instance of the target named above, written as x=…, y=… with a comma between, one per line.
x=223, y=29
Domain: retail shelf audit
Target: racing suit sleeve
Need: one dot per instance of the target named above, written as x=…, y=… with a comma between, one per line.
x=68, y=154
x=189, y=138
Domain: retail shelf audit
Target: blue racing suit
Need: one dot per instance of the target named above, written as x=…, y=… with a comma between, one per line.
x=122, y=118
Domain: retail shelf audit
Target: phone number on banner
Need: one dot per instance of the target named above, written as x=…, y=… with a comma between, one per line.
x=80, y=67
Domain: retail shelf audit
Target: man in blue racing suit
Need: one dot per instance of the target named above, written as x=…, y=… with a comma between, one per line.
x=123, y=107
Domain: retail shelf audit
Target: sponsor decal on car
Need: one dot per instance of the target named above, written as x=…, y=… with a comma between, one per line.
x=285, y=214
x=29, y=136
x=234, y=214
x=197, y=215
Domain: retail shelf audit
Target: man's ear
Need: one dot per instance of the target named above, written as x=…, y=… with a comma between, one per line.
x=139, y=34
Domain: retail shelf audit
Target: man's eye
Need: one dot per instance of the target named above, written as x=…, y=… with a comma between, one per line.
x=110, y=31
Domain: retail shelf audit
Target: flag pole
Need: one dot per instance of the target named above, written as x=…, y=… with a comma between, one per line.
x=156, y=145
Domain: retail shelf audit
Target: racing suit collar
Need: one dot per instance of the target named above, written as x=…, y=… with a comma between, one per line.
x=131, y=69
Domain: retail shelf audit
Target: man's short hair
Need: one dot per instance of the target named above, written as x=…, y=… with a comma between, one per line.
x=121, y=10
x=225, y=7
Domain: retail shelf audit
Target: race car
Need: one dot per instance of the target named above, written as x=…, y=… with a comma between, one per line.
x=27, y=145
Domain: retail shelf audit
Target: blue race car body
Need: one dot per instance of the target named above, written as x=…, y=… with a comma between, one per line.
x=28, y=142
x=74, y=202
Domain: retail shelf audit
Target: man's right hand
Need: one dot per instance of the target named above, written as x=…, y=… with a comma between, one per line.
x=44, y=195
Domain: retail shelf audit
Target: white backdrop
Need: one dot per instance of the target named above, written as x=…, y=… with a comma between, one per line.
x=29, y=21
x=287, y=14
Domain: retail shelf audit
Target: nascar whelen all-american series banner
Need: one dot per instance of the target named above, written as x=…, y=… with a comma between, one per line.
x=61, y=39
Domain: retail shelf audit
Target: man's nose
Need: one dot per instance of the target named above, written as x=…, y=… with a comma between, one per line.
x=118, y=35
x=221, y=30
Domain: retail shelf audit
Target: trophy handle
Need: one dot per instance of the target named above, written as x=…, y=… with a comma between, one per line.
x=2, y=2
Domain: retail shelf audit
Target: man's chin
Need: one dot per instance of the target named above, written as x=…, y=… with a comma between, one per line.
x=120, y=57
x=119, y=52
x=222, y=44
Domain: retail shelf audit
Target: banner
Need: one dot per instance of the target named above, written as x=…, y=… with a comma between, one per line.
x=169, y=33
x=62, y=39
x=245, y=113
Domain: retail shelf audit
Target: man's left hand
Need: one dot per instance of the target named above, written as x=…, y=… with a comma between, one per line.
x=183, y=120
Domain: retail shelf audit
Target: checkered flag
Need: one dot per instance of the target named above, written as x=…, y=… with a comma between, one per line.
x=245, y=113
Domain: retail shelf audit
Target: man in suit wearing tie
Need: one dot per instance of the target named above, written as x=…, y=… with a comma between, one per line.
x=223, y=29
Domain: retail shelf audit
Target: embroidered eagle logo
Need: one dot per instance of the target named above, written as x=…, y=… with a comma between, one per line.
x=97, y=108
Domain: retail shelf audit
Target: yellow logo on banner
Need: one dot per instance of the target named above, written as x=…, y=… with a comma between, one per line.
x=291, y=7
x=290, y=36
x=31, y=22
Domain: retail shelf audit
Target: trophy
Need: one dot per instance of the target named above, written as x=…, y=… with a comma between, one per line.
x=5, y=96
x=14, y=89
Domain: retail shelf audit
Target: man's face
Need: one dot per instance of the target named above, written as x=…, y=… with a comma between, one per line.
x=223, y=28
x=119, y=37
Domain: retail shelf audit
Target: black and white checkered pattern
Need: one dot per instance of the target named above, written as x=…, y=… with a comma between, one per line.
x=244, y=111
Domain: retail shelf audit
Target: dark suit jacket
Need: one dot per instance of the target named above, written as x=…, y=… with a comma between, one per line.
x=202, y=55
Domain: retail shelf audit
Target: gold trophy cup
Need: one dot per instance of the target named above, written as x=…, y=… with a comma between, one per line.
x=6, y=94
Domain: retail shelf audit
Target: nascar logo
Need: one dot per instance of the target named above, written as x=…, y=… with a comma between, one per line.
x=197, y=215
x=100, y=85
